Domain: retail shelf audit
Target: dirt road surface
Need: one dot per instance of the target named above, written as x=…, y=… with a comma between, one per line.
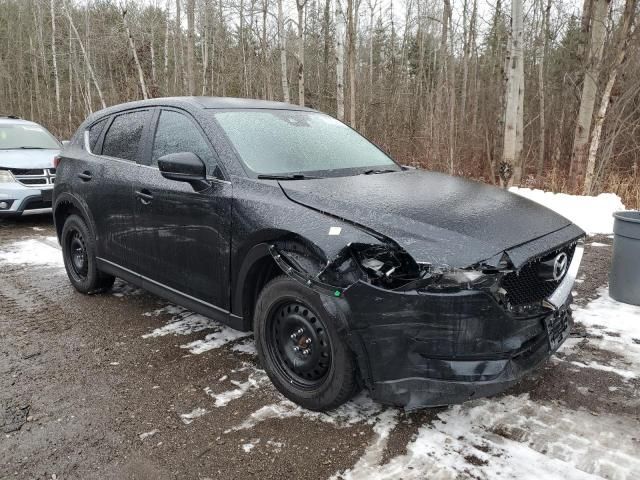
x=126, y=385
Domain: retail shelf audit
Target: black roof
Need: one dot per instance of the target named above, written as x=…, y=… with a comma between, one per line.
x=207, y=102
x=198, y=102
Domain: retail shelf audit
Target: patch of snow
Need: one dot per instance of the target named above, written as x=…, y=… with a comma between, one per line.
x=593, y=214
x=114, y=364
x=187, y=418
x=618, y=327
x=598, y=244
x=605, y=368
x=247, y=447
x=257, y=379
x=185, y=325
x=361, y=409
x=32, y=252
x=509, y=437
x=185, y=322
x=366, y=467
x=248, y=347
x=221, y=336
x=148, y=434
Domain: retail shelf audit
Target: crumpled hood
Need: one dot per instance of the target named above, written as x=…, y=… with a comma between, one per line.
x=27, y=158
x=438, y=218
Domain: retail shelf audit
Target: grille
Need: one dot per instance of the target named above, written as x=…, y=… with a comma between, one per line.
x=27, y=171
x=526, y=286
x=34, y=177
x=33, y=181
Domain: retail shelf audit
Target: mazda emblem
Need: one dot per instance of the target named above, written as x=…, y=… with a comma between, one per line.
x=560, y=266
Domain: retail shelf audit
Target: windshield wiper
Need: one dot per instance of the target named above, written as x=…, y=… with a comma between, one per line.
x=376, y=171
x=295, y=176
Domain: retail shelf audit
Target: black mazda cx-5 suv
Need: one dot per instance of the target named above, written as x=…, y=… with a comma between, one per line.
x=351, y=270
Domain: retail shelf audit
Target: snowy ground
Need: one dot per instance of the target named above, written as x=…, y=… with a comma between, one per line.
x=578, y=418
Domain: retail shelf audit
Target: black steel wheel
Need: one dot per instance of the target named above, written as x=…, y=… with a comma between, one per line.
x=300, y=347
x=298, y=344
x=78, y=252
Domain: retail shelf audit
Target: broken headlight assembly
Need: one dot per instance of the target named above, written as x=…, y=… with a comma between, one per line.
x=454, y=280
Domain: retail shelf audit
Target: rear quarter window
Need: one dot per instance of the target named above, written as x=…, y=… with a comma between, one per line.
x=124, y=134
x=94, y=133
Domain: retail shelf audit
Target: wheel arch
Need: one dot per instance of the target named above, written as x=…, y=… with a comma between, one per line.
x=258, y=267
x=67, y=204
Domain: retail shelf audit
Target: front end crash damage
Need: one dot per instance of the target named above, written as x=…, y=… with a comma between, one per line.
x=430, y=335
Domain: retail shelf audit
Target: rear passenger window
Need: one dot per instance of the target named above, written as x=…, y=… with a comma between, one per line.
x=124, y=134
x=176, y=134
x=94, y=134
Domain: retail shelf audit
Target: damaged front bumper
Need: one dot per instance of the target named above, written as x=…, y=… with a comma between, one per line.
x=423, y=350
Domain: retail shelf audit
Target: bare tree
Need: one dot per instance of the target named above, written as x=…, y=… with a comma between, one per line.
x=84, y=54
x=621, y=53
x=54, y=59
x=143, y=85
x=300, y=4
x=589, y=91
x=191, y=77
x=339, y=60
x=282, y=45
x=513, y=112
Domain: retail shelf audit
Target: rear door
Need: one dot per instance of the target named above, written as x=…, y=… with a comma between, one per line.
x=184, y=235
x=111, y=185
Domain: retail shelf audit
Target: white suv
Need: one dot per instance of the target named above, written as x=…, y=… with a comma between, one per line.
x=27, y=170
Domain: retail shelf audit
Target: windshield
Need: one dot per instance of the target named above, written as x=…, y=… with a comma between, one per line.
x=286, y=142
x=26, y=136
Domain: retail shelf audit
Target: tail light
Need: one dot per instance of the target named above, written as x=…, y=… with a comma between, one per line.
x=56, y=161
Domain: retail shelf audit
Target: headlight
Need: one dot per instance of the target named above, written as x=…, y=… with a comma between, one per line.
x=385, y=266
x=6, y=177
x=455, y=280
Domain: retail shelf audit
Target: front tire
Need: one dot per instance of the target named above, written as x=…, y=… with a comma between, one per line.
x=79, y=254
x=300, y=348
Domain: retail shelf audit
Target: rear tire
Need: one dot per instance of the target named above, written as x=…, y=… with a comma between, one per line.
x=300, y=348
x=79, y=254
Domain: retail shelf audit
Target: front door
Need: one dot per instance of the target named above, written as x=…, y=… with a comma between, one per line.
x=183, y=235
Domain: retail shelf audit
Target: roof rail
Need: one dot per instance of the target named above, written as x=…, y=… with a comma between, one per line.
x=14, y=117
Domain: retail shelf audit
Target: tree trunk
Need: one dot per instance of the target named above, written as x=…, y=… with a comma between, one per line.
x=622, y=45
x=283, y=54
x=143, y=85
x=352, y=12
x=589, y=91
x=511, y=168
x=542, y=52
x=300, y=5
x=56, y=78
x=179, y=58
x=191, y=47
x=339, y=61
x=166, y=50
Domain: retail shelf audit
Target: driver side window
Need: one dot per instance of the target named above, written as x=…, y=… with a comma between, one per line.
x=176, y=133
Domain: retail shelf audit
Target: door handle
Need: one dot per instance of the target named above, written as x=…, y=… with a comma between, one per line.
x=145, y=196
x=85, y=176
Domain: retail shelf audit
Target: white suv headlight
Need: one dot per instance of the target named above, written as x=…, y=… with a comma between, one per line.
x=6, y=177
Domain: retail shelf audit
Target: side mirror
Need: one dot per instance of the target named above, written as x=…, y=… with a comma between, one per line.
x=184, y=167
